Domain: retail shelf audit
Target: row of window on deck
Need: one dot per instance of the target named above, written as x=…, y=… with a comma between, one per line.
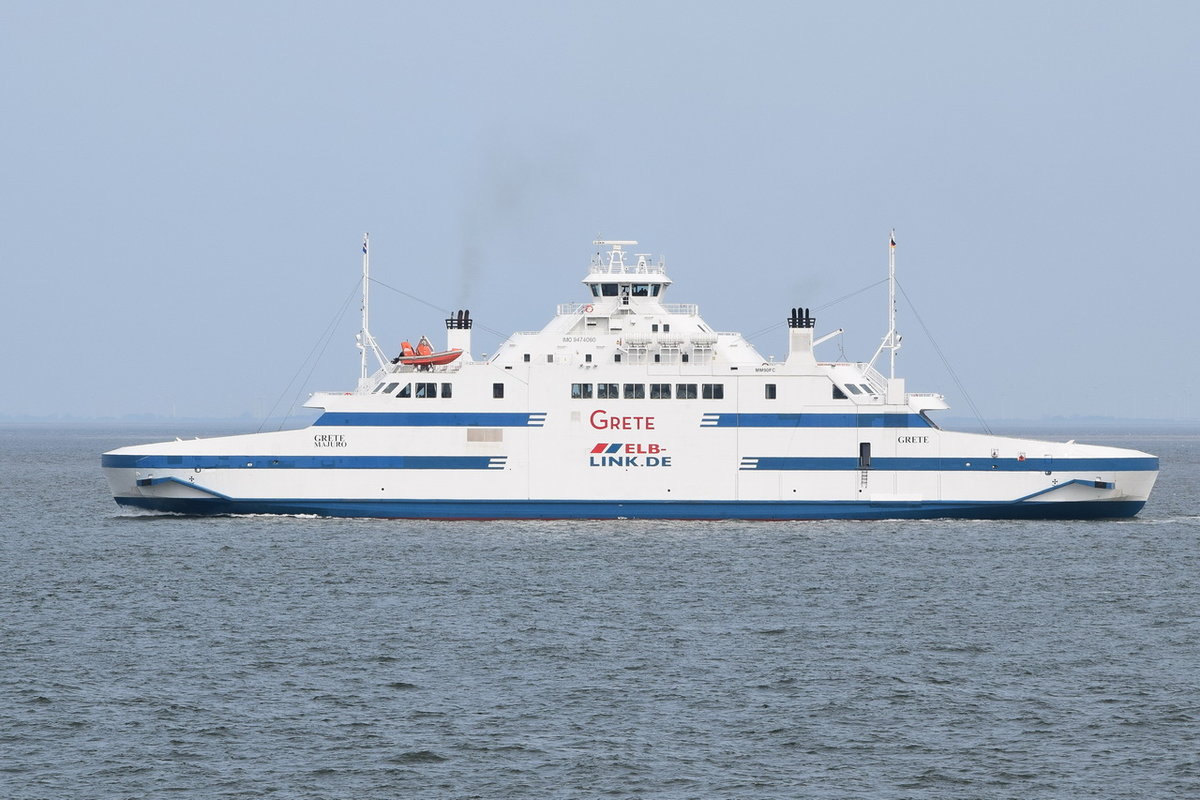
x=657, y=391
x=584, y=391
x=607, y=391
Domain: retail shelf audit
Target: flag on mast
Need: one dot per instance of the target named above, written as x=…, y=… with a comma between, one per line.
x=893, y=240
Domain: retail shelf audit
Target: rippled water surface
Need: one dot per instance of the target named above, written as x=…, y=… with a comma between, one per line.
x=154, y=656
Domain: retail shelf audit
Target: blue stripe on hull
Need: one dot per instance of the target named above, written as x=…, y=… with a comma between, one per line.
x=951, y=464
x=813, y=420
x=688, y=510
x=431, y=419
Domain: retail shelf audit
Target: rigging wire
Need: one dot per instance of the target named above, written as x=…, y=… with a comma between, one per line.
x=445, y=311
x=325, y=337
x=945, y=361
x=830, y=304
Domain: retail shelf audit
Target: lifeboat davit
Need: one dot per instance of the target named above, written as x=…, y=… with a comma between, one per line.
x=423, y=355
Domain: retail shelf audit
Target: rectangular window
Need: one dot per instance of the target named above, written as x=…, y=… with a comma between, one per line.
x=447, y=388
x=635, y=391
x=426, y=390
x=587, y=357
x=391, y=387
x=666, y=326
x=607, y=391
x=497, y=390
x=549, y=358
x=526, y=357
x=864, y=455
x=581, y=391
x=685, y=358
x=713, y=391
x=853, y=389
x=608, y=289
x=617, y=358
x=685, y=391
x=406, y=391
x=654, y=328
x=769, y=391
x=660, y=391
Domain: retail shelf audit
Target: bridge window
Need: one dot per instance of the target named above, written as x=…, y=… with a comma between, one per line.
x=641, y=290
x=581, y=391
x=685, y=391
x=607, y=391
x=608, y=289
x=635, y=391
x=713, y=391
x=660, y=391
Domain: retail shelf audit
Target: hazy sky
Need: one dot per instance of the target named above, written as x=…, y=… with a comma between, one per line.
x=185, y=186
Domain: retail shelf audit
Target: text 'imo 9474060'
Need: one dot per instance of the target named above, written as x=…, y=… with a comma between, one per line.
x=627, y=406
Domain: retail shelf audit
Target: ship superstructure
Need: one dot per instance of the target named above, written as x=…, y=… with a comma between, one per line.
x=625, y=405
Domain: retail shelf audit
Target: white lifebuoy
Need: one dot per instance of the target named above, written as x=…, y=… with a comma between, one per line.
x=587, y=309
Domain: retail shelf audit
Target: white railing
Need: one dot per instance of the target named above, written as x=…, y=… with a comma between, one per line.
x=874, y=377
x=619, y=268
x=690, y=309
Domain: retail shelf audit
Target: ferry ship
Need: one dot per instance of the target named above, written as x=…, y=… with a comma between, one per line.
x=627, y=406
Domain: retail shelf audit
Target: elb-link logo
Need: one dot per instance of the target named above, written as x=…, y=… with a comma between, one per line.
x=633, y=454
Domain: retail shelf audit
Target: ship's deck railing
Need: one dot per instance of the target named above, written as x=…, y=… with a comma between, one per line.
x=619, y=268
x=874, y=377
x=686, y=309
x=690, y=309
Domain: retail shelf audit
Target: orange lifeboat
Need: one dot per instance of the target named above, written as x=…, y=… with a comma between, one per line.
x=423, y=355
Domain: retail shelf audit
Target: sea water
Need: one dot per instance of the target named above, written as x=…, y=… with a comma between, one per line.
x=262, y=657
